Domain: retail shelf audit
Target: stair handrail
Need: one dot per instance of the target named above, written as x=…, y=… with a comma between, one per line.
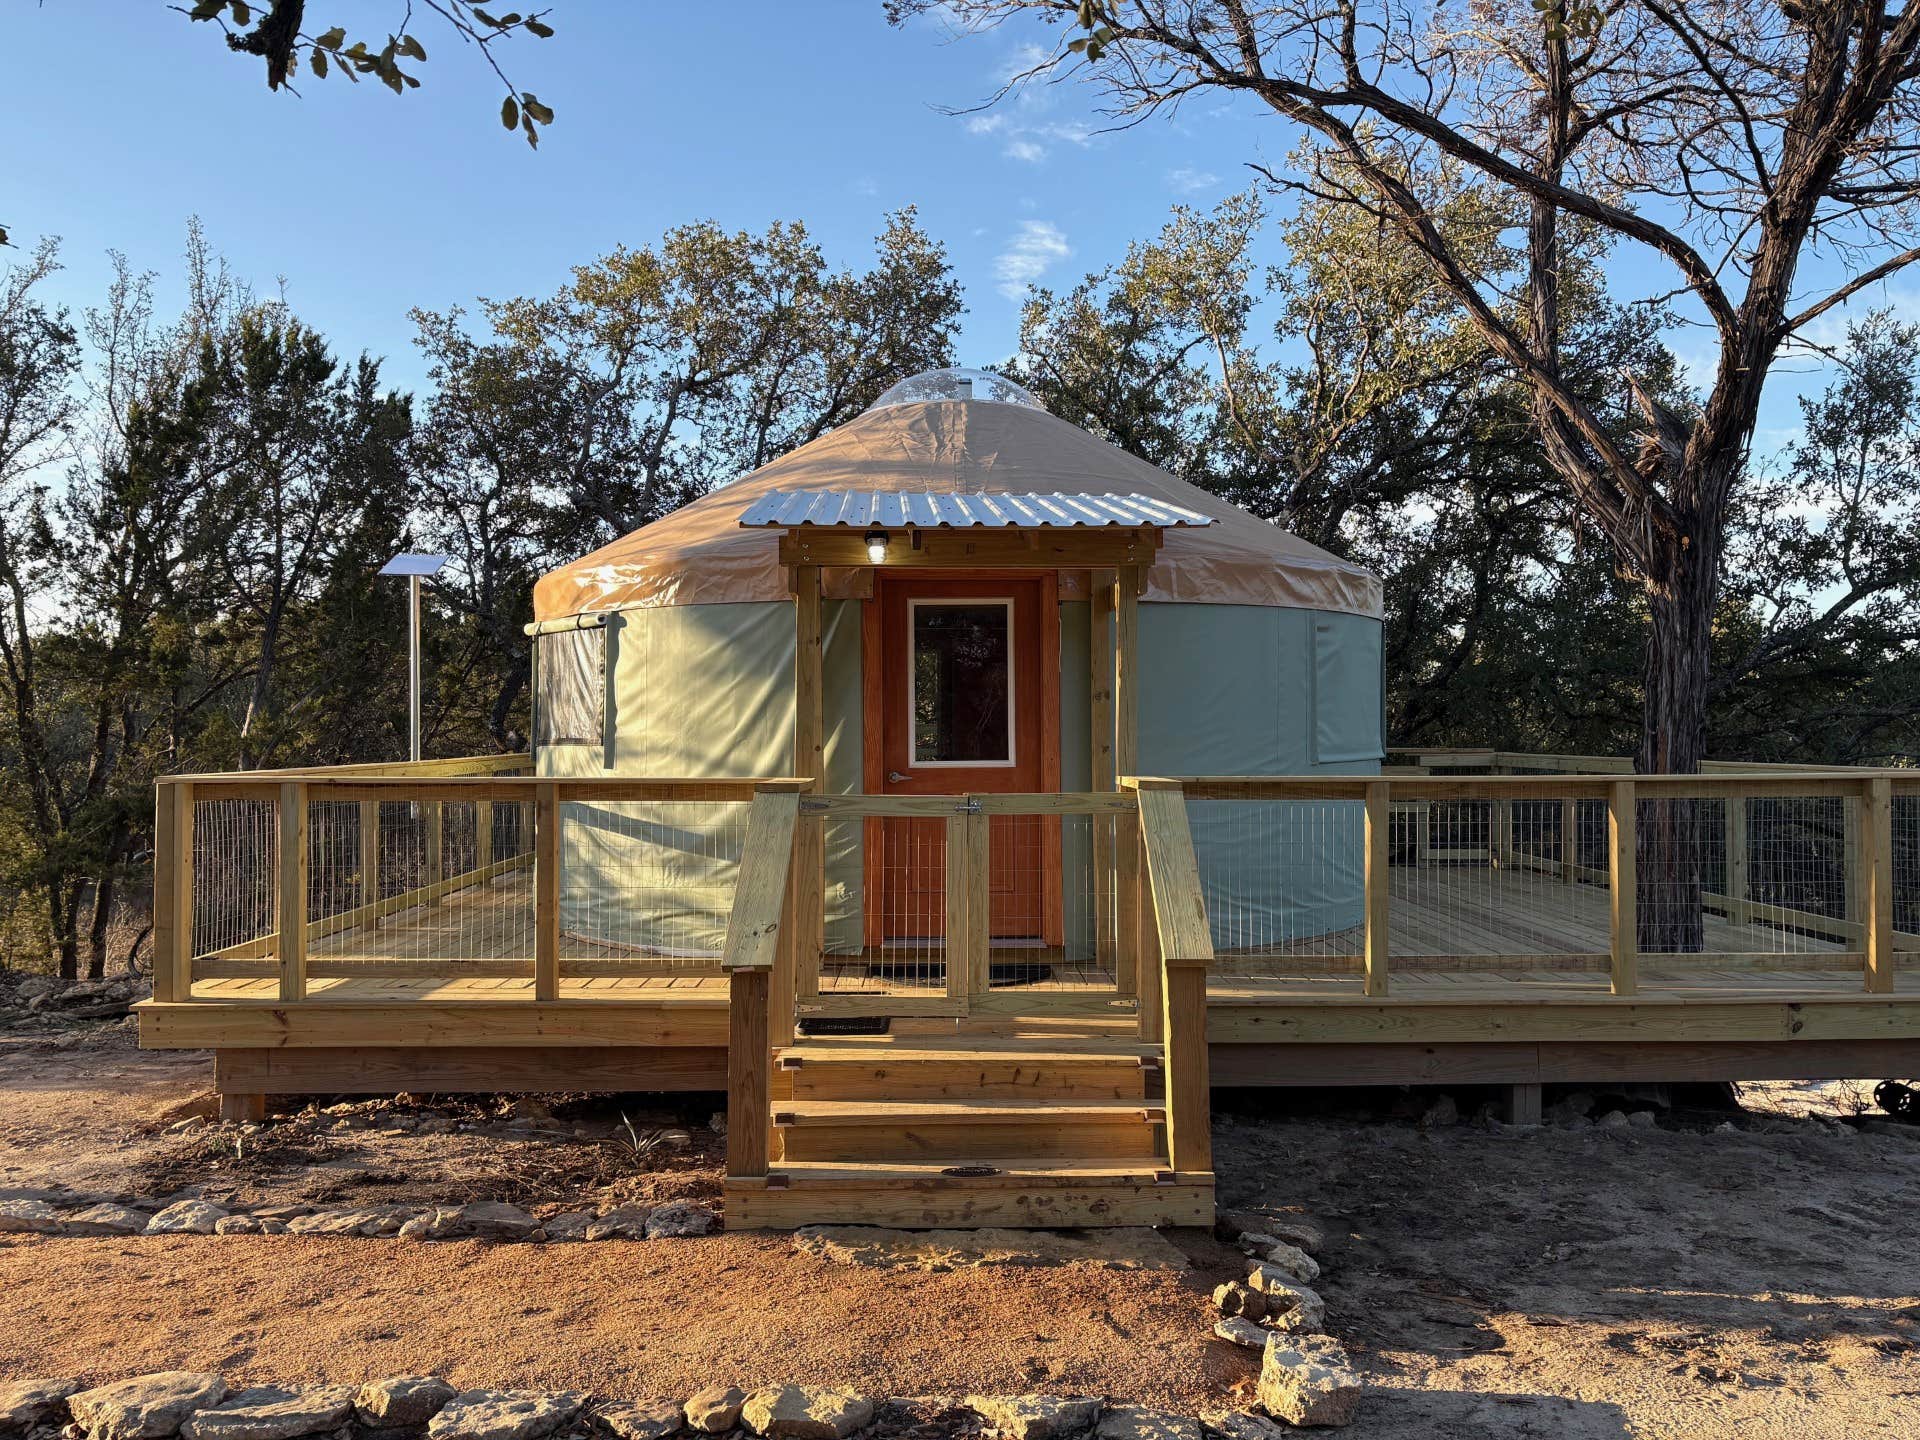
x=755, y=941
x=1177, y=951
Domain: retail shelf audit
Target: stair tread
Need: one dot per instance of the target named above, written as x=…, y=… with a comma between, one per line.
x=1010, y=1168
x=1126, y=1058
x=885, y=1112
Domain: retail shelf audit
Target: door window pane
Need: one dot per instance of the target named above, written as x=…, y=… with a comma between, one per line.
x=962, y=682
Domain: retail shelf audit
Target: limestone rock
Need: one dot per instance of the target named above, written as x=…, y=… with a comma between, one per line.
x=1237, y=1298
x=1306, y=1380
x=1301, y=1230
x=623, y=1222
x=146, y=1407
x=30, y=1217
x=1242, y=1425
x=107, y=1219
x=568, y=1226
x=715, y=1410
x=1612, y=1120
x=805, y=1412
x=1642, y=1119
x=187, y=1217
x=1037, y=1417
x=236, y=1225
x=272, y=1414
x=401, y=1400
x=640, y=1419
x=1238, y=1330
x=378, y=1220
x=483, y=1220
x=681, y=1217
x=1303, y=1308
x=503, y=1414
x=1125, y=1248
x=27, y=1403
x=418, y=1228
x=1139, y=1422
x=1291, y=1260
x=1441, y=1114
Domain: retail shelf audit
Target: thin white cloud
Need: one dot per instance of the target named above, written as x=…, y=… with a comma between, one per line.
x=985, y=124
x=1025, y=150
x=1189, y=181
x=1037, y=246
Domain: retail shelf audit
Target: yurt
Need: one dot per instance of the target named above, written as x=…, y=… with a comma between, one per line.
x=980, y=576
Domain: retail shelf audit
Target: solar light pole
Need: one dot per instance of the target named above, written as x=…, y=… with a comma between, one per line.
x=416, y=568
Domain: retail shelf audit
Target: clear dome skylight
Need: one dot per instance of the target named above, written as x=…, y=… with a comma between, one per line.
x=958, y=383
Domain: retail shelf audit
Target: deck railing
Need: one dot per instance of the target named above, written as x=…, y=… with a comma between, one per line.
x=1763, y=869
x=442, y=871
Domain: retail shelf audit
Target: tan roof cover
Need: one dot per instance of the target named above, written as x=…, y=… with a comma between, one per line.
x=701, y=555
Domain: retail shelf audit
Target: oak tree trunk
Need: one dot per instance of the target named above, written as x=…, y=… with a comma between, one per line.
x=1673, y=741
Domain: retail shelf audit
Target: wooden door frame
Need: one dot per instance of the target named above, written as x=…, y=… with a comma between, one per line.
x=873, y=766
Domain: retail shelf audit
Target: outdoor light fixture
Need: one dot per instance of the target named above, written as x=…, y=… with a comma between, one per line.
x=877, y=546
x=416, y=568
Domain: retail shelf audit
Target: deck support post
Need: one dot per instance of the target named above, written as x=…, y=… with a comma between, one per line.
x=1569, y=840
x=1183, y=1027
x=433, y=842
x=1129, y=902
x=1622, y=878
x=1182, y=945
x=1377, y=887
x=242, y=1109
x=370, y=865
x=546, y=891
x=173, y=891
x=1101, y=769
x=969, y=963
x=292, y=923
x=1523, y=1105
x=482, y=834
x=1739, y=912
x=1500, y=827
x=749, y=1059
x=1876, y=866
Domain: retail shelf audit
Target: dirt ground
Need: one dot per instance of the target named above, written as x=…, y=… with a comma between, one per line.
x=1682, y=1281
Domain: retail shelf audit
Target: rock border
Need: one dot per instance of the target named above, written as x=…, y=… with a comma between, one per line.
x=194, y=1405
x=69, y=1213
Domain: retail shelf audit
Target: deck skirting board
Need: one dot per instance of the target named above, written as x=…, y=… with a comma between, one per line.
x=1636, y=1021
x=1571, y=1062
x=469, y=1069
x=417, y=1024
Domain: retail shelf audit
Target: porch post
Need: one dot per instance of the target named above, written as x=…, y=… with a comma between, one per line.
x=808, y=918
x=1126, y=759
x=1100, y=696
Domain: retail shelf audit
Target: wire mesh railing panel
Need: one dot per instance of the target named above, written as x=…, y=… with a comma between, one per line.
x=1497, y=881
x=441, y=888
x=236, y=847
x=887, y=905
x=1748, y=876
x=646, y=887
x=1284, y=884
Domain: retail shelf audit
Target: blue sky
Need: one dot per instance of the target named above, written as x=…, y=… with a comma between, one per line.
x=367, y=203
x=743, y=112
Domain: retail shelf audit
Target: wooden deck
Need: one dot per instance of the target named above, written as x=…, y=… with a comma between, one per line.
x=1496, y=974
x=1460, y=931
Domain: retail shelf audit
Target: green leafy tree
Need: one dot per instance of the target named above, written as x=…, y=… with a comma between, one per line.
x=282, y=34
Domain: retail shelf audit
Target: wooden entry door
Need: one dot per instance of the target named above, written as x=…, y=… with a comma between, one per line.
x=962, y=697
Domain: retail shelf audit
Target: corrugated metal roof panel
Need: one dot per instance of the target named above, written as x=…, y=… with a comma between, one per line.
x=928, y=510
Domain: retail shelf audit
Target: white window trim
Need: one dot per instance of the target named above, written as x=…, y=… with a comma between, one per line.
x=1005, y=602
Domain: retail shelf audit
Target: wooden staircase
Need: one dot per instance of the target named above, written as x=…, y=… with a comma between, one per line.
x=969, y=1128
